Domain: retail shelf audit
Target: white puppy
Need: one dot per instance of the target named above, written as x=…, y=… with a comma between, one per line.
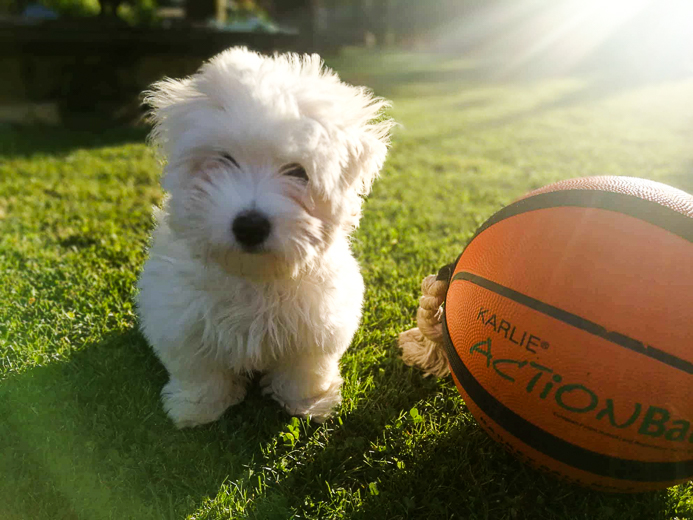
x=249, y=269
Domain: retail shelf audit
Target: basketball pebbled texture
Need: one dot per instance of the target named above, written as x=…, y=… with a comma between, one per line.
x=570, y=335
x=645, y=189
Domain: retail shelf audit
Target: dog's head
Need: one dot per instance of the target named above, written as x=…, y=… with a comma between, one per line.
x=267, y=158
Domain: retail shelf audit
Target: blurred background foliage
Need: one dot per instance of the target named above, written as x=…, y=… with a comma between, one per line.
x=636, y=40
x=73, y=7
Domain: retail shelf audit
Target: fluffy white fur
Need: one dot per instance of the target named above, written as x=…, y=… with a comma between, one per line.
x=216, y=310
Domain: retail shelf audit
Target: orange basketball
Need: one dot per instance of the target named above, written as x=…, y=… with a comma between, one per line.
x=569, y=331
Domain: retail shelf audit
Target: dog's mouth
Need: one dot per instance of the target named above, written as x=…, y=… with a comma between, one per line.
x=254, y=250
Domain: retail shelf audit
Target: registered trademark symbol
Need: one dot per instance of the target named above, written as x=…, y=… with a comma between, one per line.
x=545, y=345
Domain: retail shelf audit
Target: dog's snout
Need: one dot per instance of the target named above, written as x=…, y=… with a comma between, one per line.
x=251, y=228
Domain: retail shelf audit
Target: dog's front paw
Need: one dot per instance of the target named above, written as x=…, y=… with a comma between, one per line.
x=318, y=407
x=189, y=406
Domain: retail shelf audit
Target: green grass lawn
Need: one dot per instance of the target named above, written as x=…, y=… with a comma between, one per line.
x=82, y=432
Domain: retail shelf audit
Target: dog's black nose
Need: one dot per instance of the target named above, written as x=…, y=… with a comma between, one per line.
x=251, y=228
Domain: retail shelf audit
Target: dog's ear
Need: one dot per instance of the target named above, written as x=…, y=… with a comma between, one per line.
x=368, y=147
x=176, y=106
x=166, y=100
x=164, y=94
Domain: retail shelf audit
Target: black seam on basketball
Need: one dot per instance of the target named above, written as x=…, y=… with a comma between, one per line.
x=555, y=447
x=578, y=322
x=645, y=210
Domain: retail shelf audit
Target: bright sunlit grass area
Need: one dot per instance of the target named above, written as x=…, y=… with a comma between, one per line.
x=633, y=38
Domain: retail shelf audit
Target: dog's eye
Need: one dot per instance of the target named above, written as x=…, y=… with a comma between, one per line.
x=230, y=159
x=295, y=170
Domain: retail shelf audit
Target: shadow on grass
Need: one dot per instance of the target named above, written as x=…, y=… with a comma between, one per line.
x=87, y=438
x=453, y=467
x=488, y=483
x=459, y=474
x=29, y=141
